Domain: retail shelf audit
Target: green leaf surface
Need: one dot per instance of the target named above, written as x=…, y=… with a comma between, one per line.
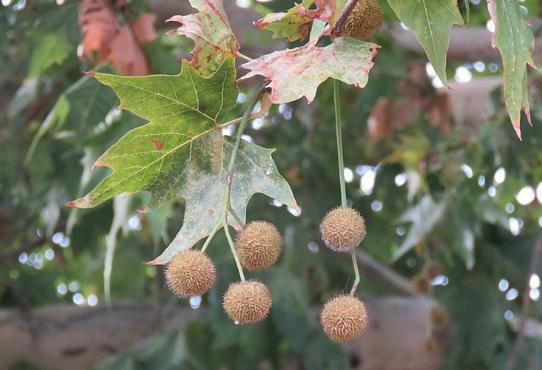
x=424, y=216
x=430, y=21
x=254, y=172
x=79, y=109
x=53, y=49
x=515, y=41
x=182, y=109
x=298, y=72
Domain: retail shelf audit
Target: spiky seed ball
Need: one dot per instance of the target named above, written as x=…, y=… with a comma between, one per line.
x=343, y=229
x=247, y=302
x=259, y=245
x=190, y=273
x=364, y=21
x=344, y=318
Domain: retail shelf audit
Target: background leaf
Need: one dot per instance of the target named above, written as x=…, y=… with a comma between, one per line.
x=515, y=42
x=430, y=21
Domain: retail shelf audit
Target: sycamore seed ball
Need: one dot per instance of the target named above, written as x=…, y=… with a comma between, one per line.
x=190, y=273
x=247, y=302
x=344, y=318
x=259, y=245
x=364, y=21
x=342, y=229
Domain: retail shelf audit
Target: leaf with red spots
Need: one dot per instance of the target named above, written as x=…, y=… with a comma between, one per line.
x=213, y=37
x=295, y=24
x=298, y=72
x=181, y=152
x=515, y=41
x=183, y=110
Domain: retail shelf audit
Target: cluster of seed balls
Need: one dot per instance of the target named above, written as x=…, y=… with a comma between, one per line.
x=258, y=245
x=343, y=317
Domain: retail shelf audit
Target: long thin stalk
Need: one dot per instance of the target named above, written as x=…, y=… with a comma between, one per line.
x=210, y=237
x=229, y=177
x=340, y=158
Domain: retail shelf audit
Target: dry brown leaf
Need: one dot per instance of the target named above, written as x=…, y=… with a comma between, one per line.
x=127, y=56
x=143, y=28
x=389, y=116
x=99, y=25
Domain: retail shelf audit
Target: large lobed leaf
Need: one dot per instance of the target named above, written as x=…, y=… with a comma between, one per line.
x=296, y=22
x=254, y=172
x=298, y=72
x=182, y=110
x=515, y=42
x=213, y=37
x=430, y=21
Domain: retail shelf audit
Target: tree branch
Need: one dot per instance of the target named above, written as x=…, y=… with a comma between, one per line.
x=26, y=247
x=383, y=275
x=466, y=43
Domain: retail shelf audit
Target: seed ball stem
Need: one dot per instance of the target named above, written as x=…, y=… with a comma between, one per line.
x=258, y=245
x=344, y=318
x=247, y=302
x=190, y=273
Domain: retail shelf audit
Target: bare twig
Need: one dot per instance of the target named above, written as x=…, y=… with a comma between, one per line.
x=26, y=247
x=520, y=340
x=383, y=275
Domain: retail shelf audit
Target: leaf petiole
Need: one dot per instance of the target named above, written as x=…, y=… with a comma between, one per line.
x=210, y=237
x=229, y=176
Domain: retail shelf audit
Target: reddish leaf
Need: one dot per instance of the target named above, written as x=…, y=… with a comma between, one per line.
x=296, y=22
x=143, y=28
x=298, y=72
x=99, y=26
x=126, y=55
x=213, y=37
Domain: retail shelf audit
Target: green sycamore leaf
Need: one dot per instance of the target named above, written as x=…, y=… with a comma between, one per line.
x=182, y=109
x=430, y=21
x=424, y=216
x=53, y=49
x=515, y=41
x=254, y=172
x=298, y=72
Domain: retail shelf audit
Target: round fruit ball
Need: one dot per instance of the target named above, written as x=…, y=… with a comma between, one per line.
x=190, y=273
x=247, y=302
x=344, y=318
x=259, y=245
x=343, y=229
x=364, y=21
